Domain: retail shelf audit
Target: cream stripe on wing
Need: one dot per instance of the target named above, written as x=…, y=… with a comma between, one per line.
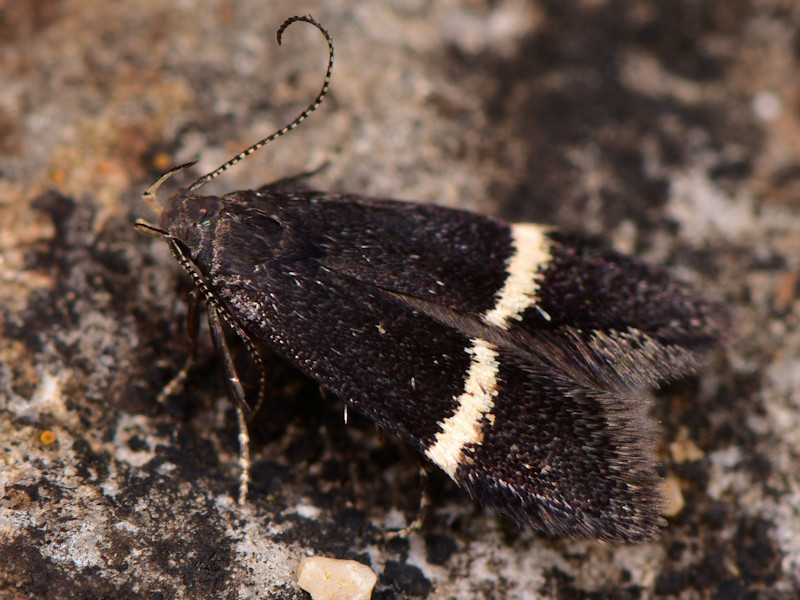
x=464, y=426
x=531, y=251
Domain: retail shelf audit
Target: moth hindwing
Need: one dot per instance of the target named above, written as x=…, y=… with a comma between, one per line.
x=511, y=356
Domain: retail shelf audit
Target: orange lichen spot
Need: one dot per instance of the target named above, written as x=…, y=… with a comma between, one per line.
x=58, y=176
x=47, y=437
x=106, y=166
x=162, y=161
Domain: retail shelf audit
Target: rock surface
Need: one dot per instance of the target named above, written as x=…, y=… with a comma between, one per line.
x=672, y=128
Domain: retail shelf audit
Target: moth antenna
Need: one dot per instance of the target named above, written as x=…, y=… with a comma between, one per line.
x=149, y=197
x=300, y=118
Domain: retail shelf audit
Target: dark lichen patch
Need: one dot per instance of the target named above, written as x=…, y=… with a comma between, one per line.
x=571, y=77
x=405, y=579
x=28, y=572
x=439, y=548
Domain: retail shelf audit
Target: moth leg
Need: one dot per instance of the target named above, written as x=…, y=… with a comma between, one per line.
x=232, y=381
x=177, y=383
x=255, y=355
x=292, y=180
x=236, y=392
x=244, y=455
x=422, y=510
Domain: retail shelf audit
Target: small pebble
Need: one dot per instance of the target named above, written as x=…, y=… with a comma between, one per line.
x=335, y=579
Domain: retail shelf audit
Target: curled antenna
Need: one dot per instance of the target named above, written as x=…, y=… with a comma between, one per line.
x=300, y=118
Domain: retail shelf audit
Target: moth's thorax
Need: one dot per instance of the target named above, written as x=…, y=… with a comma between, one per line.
x=192, y=219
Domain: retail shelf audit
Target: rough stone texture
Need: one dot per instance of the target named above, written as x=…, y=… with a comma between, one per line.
x=673, y=128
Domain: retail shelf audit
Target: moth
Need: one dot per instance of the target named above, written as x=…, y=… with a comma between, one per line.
x=512, y=356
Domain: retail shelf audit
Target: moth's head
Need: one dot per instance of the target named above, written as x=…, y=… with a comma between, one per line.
x=151, y=200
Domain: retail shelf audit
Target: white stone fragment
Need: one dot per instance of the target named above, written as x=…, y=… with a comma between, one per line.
x=335, y=579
